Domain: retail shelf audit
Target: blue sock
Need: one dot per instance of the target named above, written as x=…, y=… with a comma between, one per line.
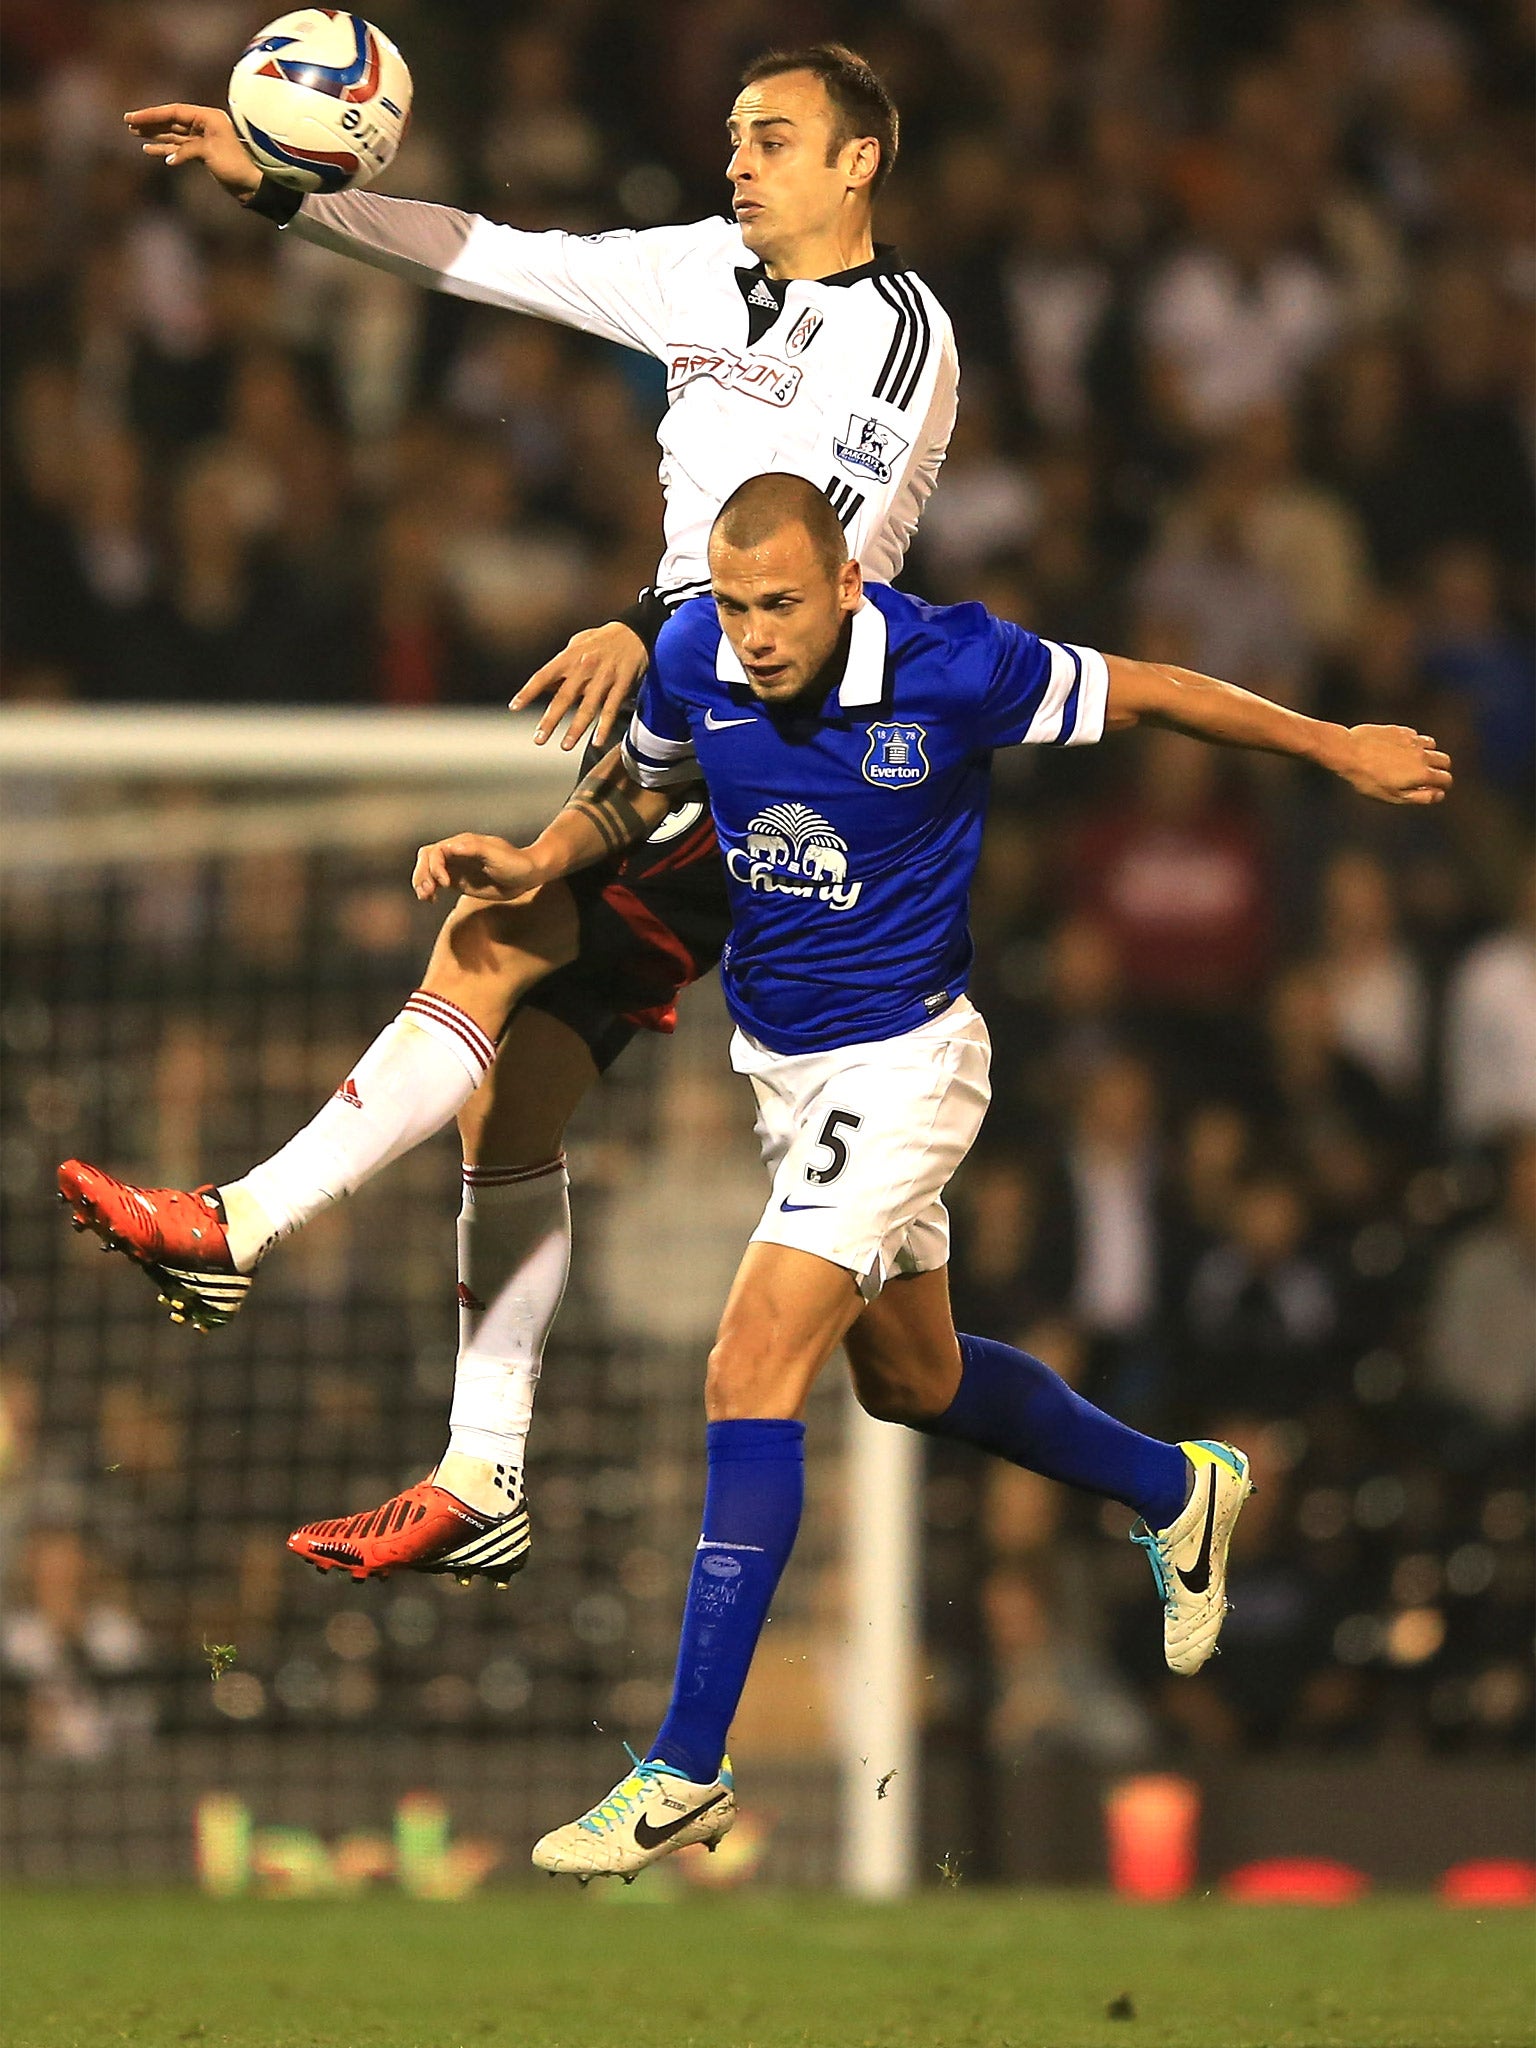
x=1017, y=1408
x=751, y=1514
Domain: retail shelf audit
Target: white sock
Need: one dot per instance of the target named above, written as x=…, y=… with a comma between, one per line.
x=414, y=1078
x=514, y=1255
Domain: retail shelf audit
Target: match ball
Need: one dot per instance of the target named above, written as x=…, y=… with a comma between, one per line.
x=321, y=99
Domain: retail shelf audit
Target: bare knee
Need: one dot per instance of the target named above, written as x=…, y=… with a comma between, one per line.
x=739, y=1381
x=892, y=1398
x=899, y=1376
x=517, y=1116
x=786, y=1314
x=489, y=955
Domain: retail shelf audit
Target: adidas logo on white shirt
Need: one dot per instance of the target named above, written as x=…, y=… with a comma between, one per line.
x=760, y=295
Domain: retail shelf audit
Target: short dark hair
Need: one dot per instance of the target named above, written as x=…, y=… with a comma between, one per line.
x=765, y=505
x=860, y=103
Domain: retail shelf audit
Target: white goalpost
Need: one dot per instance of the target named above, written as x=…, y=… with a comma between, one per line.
x=878, y=1730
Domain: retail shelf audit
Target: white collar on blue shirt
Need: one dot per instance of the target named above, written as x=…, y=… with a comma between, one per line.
x=863, y=681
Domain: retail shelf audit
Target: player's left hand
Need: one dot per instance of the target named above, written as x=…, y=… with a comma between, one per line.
x=476, y=864
x=1395, y=764
x=591, y=676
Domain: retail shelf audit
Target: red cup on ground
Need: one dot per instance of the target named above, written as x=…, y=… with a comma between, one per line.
x=1152, y=1823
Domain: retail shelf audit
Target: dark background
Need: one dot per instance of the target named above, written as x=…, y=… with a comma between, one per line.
x=1244, y=306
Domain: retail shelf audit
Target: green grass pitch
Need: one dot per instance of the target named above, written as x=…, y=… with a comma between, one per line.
x=526, y=1969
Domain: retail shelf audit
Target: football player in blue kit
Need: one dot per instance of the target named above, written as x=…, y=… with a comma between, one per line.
x=843, y=732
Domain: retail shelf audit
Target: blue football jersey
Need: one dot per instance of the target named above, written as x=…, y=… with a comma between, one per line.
x=850, y=832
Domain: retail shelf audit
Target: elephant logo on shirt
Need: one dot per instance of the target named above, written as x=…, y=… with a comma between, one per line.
x=769, y=846
x=791, y=850
x=824, y=863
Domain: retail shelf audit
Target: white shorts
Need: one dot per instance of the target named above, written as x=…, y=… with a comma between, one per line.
x=862, y=1141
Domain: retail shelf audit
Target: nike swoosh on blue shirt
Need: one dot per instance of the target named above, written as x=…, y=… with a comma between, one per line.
x=791, y=1208
x=713, y=724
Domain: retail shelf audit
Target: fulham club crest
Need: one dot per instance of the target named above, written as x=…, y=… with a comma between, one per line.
x=896, y=759
x=803, y=333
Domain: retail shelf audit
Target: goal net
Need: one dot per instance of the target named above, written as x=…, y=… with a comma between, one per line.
x=206, y=917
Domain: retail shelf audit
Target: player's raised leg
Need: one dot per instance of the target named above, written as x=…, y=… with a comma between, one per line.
x=470, y=1518
x=909, y=1365
x=200, y=1247
x=786, y=1314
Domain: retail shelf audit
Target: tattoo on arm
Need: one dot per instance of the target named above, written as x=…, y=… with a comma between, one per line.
x=603, y=799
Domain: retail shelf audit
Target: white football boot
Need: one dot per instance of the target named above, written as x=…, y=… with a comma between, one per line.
x=646, y=1816
x=1189, y=1557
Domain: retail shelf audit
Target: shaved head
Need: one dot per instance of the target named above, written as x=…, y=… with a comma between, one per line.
x=766, y=505
x=784, y=587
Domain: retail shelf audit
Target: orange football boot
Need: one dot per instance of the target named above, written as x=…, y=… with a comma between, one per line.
x=424, y=1529
x=177, y=1236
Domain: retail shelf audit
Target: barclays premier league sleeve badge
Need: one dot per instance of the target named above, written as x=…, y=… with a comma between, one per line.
x=872, y=449
x=896, y=759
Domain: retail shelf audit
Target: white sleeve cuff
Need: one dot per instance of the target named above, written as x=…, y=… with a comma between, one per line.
x=654, y=762
x=1087, y=725
x=1071, y=713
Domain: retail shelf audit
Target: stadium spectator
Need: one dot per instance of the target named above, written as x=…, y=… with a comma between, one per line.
x=1316, y=1085
x=1240, y=313
x=1374, y=983
x=1177, y=878
x=1490, y=1031
x=1109, y=1204
x=1209, y=597
x=78, y=1649
x=1060, y=292
x=990, y=508
x=1302, y=534
x=1482, y=1309
x=1484, y=671
x=1261, y=1307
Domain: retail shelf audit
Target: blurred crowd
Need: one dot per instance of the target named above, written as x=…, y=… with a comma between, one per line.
x=1244, y=301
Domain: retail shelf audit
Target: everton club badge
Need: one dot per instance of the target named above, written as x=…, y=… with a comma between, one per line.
x=896, y=758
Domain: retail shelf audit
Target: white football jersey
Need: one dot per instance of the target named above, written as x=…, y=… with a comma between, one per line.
x=849, y=381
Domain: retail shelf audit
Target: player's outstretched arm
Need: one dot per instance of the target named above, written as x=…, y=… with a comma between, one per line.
x=1392, y=763
x=606, y=813
x=592, y=677
x=182, y=134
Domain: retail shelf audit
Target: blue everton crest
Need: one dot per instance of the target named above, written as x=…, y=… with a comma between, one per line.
x=895, y=759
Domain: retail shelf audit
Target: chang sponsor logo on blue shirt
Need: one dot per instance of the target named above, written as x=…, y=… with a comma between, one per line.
x=790, y=850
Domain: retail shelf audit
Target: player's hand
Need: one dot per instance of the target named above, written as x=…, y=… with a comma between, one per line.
x=591, y=677
x=1395, y=764
x=476, y=864
x=180, y=134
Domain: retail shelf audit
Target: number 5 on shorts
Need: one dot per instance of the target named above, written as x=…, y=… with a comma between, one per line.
x=838, y=1120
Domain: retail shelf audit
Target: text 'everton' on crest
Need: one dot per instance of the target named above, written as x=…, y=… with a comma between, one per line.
x=896, y=759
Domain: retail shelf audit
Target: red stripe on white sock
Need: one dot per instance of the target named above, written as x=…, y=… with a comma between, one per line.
x=450, y=1017
x=510, y=1176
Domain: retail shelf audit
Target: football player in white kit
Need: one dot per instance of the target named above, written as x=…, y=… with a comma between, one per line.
x=791, y=341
